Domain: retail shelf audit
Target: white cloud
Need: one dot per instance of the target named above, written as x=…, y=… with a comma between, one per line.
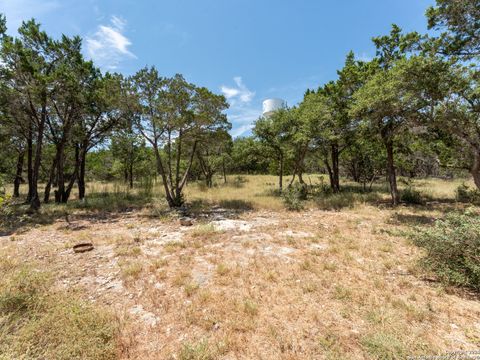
x=109, y=46
x=240, y=93
x=17, y=11
x=242, y=119
x=242, y=113
x=118, y=22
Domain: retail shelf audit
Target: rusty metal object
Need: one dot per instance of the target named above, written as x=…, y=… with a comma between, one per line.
x=83, y=247
x=186, y=221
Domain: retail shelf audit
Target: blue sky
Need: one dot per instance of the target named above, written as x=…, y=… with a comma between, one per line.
x=247, y=49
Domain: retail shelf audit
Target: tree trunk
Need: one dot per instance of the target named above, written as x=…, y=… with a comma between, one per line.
x=161, y=172
x=224, y=171
x=35, y=199
x=208, y=179
x=29, y=163
x=301, y=166
x=280, y=177
x=392, y=177
x=73, y=178
x=179, y=200
x=81, y=174
x=60, y=173
x=18, y=175
x=335, y=169
x=46, y=196
x=476, y=169
x=330, y=172
x=293, y=178
x=130, y=174
x=354, y=171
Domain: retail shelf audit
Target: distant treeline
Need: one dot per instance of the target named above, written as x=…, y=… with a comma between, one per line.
x=413, y=110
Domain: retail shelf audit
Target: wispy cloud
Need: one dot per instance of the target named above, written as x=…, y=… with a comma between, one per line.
x=17, y=11
x=242, y=113
x=108, y=46
x=243, y=120
x=239, y=93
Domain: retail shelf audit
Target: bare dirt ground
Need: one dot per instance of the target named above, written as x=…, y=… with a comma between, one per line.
x=258, y=285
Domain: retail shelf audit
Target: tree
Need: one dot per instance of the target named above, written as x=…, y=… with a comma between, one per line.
x=457, y=119
x=275, y=132
x=172, y=116
x=385, y=101
x=126, y=148
x=211, y=151
x=27, y=65
x=12, y=138
x=248, y=156
x=102, y=112
x=326, y=110
x=365, y=159
x=461, y=20
x=66, y=99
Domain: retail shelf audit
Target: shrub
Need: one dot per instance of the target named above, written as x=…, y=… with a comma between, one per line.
x=452, y=249
x=412, y=196
x=345, y=199
x=239, y=181
x=2, y=186
x=294, y=195
x=466, y=195
x=6, y=209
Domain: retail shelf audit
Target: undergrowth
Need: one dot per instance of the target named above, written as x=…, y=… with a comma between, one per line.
x=452, y=248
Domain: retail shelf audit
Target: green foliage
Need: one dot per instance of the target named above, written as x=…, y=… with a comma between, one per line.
x=5, y=203
x=275, y=133
x=346, y=199
x=212, y=153
x=467, y=195
x=2, y=187
x=248, y=156
x=239, y=181
x=384, y=346
x=411, y=196
x=459, y=20
x=451, y=247
x=294, y=195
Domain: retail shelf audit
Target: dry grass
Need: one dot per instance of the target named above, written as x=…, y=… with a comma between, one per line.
x=314, y=284
x=38, y=322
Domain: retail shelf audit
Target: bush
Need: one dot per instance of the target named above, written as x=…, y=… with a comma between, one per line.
x=466, y=195
x=452, y=246
x=6, y=209
x=294, y=195
x=345, y=199
x=239, y=181
x=412, y=196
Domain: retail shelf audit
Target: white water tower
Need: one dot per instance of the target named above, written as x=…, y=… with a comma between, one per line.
x=272, y=105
